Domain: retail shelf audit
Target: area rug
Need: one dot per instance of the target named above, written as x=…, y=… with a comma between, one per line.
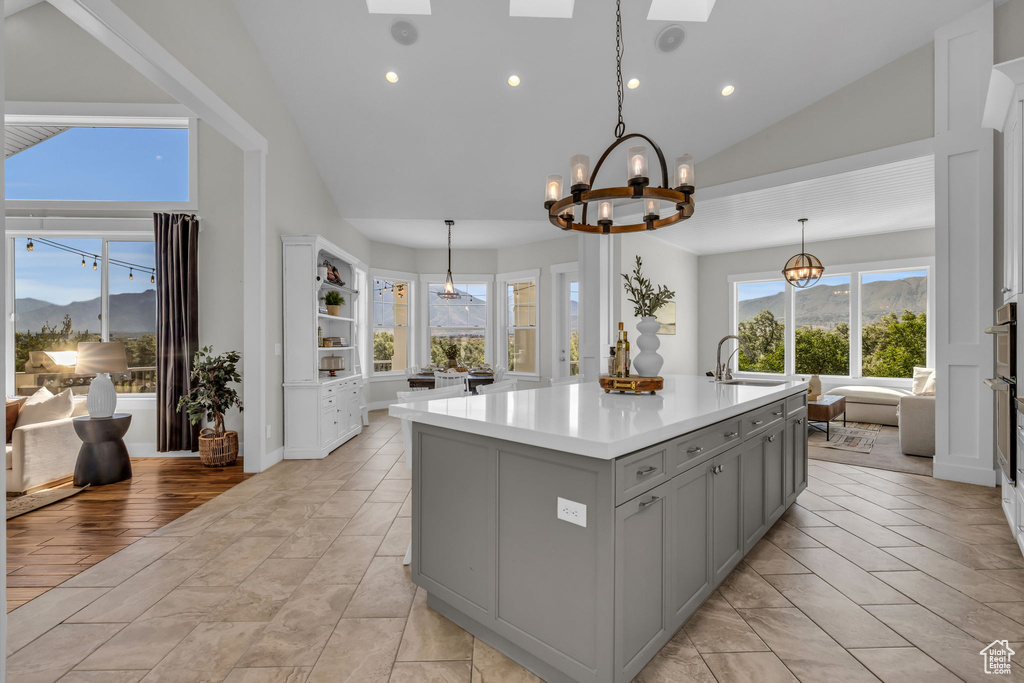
x=34, y=501
x=859, y=440
x=885, y=453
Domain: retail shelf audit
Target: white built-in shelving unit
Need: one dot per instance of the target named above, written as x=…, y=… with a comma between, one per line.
x=321, y=412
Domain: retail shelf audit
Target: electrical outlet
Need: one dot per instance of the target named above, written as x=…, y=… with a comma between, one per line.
x=268, y=431
x=277, y=349
x=572, y=512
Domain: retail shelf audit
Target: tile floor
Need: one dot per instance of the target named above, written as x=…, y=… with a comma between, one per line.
x=295, y=575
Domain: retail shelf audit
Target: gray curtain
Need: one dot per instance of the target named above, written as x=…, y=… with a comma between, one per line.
x=177, y=326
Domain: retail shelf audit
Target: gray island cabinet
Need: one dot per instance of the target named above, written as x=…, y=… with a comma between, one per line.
x=576, y=531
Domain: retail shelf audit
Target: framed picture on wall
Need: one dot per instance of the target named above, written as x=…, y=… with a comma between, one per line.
x=666, y=315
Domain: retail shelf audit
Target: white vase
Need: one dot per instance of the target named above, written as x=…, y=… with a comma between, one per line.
x=102, y=397
x=648, y=363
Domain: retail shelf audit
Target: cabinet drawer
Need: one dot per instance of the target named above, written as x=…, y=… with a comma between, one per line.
x=703, y=443
x=794, y=404
x=328, y=391
x=639, y=472
x=328, y=403
x=763, y=419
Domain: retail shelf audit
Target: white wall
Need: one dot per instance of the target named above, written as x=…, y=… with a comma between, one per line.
x=677, y=269
x=713, y=282
x=51, y=59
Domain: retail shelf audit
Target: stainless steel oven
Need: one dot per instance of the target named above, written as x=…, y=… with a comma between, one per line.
x=1004, y=386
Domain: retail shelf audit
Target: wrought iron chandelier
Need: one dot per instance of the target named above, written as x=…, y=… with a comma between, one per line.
x=803, y=270
x=562, y=210
x=449, y=285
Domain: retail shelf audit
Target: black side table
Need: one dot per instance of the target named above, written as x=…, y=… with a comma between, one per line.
x=103, y=458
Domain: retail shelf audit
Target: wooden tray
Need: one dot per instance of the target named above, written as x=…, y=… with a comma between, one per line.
x=637, y=385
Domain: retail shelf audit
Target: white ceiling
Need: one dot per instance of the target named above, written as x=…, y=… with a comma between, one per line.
x=417, y=233
x=886, y=198
x=452, y=140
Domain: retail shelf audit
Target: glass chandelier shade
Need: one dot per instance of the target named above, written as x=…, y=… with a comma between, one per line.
x=803, y=270
x=449, y=291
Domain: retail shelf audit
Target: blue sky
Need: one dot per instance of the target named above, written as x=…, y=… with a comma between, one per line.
x=125, y=164
x=756, y=290
x=58, y=277
x=902, y=275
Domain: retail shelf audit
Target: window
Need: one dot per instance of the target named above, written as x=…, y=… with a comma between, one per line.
x=574, y=327
x=519, y=320
x=69, y=290
x=894, y=322
x=822, y=324
x=391, y=334
x=871, y=322
x=458, y=324
x=105, y=164
x=761, y=316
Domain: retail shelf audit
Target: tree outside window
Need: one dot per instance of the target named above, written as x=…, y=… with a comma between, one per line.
x=390, y=302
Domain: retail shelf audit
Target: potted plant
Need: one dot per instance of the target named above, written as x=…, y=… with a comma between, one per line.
x=646, y=301
x=210, y=397
x=334, y=303
x=450, y=349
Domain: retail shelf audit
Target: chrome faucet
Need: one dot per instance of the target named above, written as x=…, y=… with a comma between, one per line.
x=724, y=372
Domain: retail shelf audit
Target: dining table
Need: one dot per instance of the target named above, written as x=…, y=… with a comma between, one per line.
x=425, y=380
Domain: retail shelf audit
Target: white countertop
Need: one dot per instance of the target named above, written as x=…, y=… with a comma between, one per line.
x=583, y=419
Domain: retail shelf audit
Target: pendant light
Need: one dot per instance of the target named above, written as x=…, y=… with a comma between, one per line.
x=449, y=285
x=803, y=270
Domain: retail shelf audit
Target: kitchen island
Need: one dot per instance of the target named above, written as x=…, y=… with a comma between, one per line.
x=576, y=531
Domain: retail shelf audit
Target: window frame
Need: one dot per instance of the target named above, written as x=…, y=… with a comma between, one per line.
x=855, y=271
x=127, y=115
x=412, y=280
x=428, y=279
x=104, y=229
x=503, y=280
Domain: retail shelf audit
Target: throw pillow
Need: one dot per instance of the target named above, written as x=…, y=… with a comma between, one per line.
x=13, y=408
x=929, y=386
x=921, y=376
x=43, y=406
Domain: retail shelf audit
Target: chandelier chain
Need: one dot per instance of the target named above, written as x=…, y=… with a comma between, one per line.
x=620, y=127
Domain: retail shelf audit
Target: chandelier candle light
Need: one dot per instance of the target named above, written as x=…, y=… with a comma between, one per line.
x=562, y=210
x=803, y=270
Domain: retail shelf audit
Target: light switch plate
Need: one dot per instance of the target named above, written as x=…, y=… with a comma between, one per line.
x=572, y=512
x=277, y=349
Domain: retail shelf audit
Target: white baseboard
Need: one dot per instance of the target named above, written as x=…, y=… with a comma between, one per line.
x=381, y=405
x=967, y=475
x=274, y=457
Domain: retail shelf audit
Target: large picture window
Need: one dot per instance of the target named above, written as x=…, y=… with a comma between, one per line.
x=69, y=290
x=462, y=322
x=391, y=330
x=519, y=321
x=870, y=322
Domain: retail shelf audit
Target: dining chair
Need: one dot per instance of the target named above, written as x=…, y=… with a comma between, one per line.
x=575, y=379
x=497, y=387
x=499, y=374
x=449, y=379
x=422, y=395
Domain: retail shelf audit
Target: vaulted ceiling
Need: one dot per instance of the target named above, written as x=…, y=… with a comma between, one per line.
x=451, y=139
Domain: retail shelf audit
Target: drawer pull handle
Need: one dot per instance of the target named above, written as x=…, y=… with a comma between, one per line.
x=758, y=422
x=778, y=414
x=771, y=438
x=717, y=469
x=645, y=471
x=695, y=449
x=1006, y=500
x=646, y=503
x=800, y=421
x=731, y=435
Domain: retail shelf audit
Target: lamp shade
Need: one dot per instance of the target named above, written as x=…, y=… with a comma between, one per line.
x=99, y=357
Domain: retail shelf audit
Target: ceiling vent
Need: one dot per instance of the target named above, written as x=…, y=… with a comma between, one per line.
x=404, y=32
x=669, y=39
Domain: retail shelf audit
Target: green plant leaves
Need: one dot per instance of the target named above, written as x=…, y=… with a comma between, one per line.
x=645, y=299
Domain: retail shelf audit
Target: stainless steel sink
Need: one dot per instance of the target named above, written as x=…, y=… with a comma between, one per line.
x=752, y=382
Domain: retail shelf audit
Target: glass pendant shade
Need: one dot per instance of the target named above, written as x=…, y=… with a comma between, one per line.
x=605, y=212
x=684, y=171
x=651, y=209
x=636, y=164
x=553, y=188
x=569, y=211
x=449, y=291
x=579, y=172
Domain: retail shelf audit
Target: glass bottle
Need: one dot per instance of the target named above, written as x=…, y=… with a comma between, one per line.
x=611, y=361
x=625, y=354
x=620, y=354
x=319, y=336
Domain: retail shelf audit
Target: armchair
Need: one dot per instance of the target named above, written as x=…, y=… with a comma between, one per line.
x=917, y=425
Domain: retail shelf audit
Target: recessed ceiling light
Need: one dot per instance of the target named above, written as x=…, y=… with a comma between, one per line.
x=513, y=80
x=633, y=83
x=728, y=90
x=391, y=76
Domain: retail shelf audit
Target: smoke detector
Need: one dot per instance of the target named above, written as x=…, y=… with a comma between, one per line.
x=404, y=32
x=669, y=38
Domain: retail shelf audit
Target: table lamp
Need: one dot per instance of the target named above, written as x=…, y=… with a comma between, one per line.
x=101, y=358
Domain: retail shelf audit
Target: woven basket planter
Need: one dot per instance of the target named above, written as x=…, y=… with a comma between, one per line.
x=218, y=451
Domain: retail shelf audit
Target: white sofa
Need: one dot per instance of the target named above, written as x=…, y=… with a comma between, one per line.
x=877, y=405
x=43, y=453
x=917, y=425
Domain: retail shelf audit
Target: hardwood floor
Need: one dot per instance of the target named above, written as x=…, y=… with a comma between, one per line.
x=48, y=546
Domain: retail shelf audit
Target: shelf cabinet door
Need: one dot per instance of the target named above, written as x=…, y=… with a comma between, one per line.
x=775, y=474
x=1013, y=196
x=752, y=476
x=688, y=542
x=726, y=520
x=640, y=526
x=796, y=457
